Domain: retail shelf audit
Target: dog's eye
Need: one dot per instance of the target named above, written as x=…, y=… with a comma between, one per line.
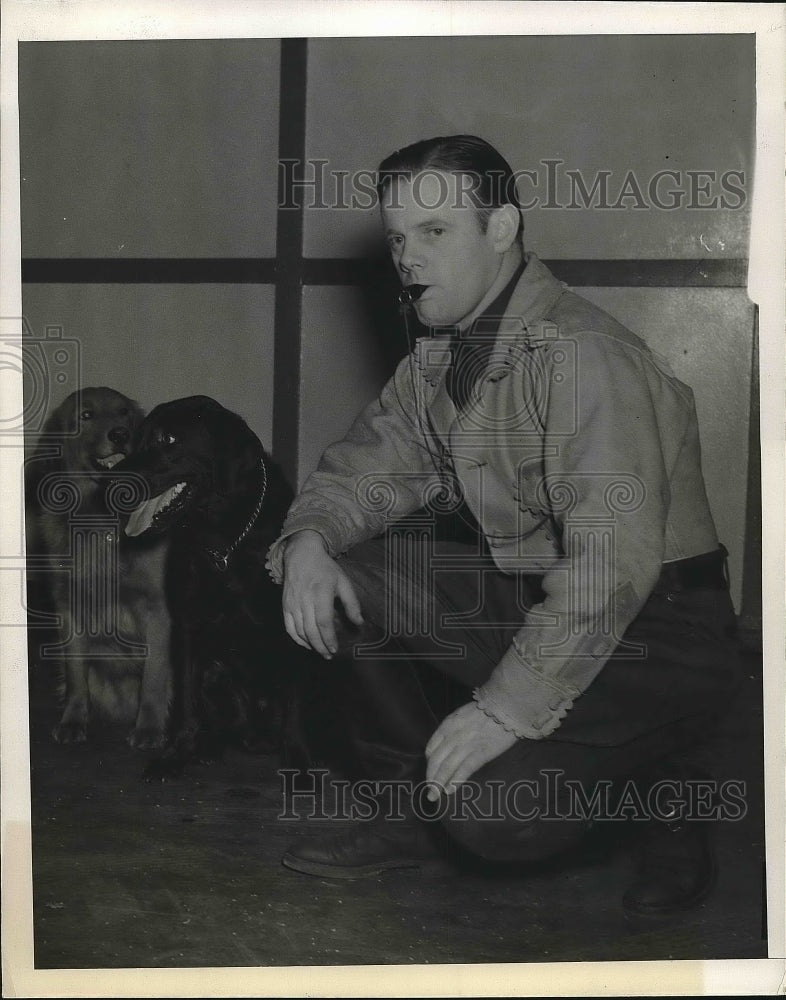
x=86, y=415
x=164, y=437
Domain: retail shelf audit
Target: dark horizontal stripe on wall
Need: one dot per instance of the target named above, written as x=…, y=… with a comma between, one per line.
x=590, y=273
x=707, y=273
x=149, y=270
x=357, y=271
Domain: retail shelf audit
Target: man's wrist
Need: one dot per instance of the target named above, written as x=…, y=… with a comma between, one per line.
x=304, y=539
x=483, y=707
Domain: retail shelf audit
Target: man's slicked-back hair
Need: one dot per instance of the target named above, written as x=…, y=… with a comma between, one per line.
x=491, y=182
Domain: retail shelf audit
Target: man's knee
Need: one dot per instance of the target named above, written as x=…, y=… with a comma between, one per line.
x=352, y=639
x=365, y=568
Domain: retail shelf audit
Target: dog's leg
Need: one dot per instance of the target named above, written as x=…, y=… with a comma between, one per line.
x=143, y=614
x=153, y=620
x=149, y=732
x=184, y=745
x=72, y=727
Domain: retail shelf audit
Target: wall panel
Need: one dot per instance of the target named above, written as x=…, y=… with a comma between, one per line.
x=706, y=336
x=160, y=342
x=343, y=367
x=621, y=104
x=149, y=149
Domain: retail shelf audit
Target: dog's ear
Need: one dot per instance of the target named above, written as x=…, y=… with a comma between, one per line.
x=63, y=420
x=239, y=453
x=37, y=464
x=142, y=436
x=51, y=449
x=137, y=413
x=137, y=416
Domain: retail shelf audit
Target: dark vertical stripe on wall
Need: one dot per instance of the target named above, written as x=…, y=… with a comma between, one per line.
x=289, y=260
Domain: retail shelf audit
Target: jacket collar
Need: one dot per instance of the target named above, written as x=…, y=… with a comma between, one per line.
x=533, y=298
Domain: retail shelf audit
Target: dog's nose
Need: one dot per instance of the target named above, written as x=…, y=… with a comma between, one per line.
x=118, y=435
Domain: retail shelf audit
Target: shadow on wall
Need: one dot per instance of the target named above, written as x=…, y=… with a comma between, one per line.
x=378, y=295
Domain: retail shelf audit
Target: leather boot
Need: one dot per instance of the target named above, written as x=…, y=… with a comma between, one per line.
x=676, y=869
x=366, y=848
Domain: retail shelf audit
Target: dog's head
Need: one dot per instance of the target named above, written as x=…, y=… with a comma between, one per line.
x=86, y=435
x=193, y=454
x=95, y=426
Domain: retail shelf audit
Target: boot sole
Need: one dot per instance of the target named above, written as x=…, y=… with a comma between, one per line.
x=322, y=870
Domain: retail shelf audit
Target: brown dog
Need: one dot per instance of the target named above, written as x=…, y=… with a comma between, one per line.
x=107, y=591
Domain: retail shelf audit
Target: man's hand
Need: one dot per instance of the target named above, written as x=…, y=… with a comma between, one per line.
x=312, y=582
x=464, y=741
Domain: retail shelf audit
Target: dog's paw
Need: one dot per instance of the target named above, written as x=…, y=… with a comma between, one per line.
x=70, y=732
x=146, y=738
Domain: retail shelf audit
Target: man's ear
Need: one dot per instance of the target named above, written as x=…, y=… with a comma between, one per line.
x=503, y=227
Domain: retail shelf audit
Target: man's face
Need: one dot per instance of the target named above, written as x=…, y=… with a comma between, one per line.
x=435, y=238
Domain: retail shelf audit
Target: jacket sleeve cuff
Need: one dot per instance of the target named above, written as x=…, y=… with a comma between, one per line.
x=523, y=700
x=312, y=522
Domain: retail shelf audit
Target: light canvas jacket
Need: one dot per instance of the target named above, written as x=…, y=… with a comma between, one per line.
x=579, y=457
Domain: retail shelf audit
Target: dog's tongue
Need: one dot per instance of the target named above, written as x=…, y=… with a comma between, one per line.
x=111, y=460
x=141, y=519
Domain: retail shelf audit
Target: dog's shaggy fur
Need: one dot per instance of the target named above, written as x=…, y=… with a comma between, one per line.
x=111, y=659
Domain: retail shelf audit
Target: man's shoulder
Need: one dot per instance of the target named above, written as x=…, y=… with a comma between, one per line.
x=603, y=341
x=575, y=316
x=546, y=300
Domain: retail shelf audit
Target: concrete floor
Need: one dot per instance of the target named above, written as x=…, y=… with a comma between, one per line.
x=188, y=873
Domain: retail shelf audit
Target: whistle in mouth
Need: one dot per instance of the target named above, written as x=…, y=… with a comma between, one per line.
x=411, y=294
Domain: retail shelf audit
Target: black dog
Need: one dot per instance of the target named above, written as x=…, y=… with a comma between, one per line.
x=222, y=500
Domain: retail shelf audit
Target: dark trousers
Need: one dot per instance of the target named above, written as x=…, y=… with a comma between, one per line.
x=441, y=616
